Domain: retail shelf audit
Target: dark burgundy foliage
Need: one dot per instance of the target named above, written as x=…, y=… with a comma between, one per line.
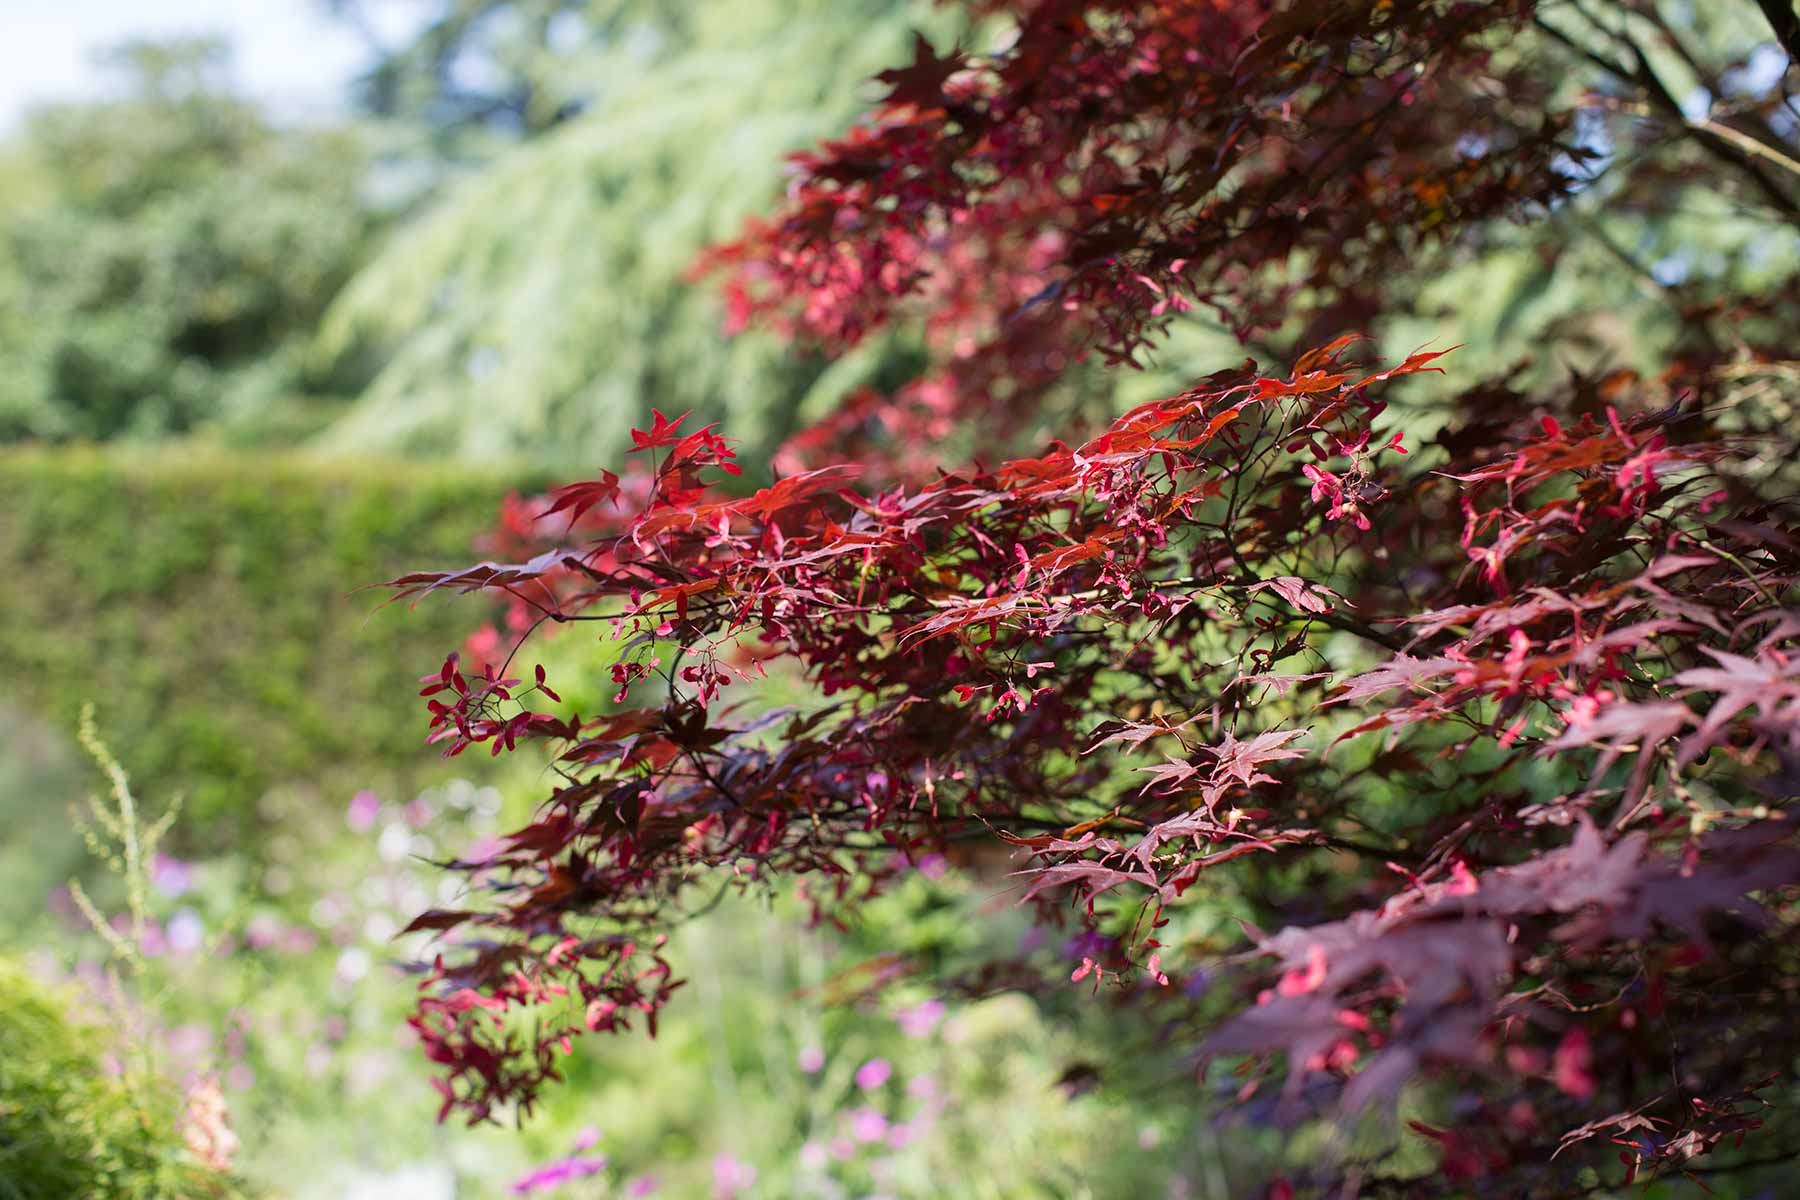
x=1494, y=730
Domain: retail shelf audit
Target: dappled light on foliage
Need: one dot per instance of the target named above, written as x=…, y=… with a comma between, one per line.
x=1178, y=598
x=1484, y=729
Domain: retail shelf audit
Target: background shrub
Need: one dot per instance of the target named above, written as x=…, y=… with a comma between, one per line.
x=69, y=1128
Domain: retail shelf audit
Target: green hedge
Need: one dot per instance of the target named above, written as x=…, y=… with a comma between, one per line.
x=208, y=606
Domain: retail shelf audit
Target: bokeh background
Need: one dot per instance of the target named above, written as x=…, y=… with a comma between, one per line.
x=293, y=295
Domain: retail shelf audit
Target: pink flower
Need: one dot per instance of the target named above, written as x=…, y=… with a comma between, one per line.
x=812, y=1060
x=262, y=932
x=171, y=876
x=731, y=1176
x=934, y=866
x=206, y=1126
x=868, y=1125
x=873, y=1074
x=919, y=1020
x=365, y=806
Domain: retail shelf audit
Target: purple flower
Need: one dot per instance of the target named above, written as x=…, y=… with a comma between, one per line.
x=1089, y=944
x=171, y=876
x=919, y=1020
x=934, y=866
x=554, y=1175
x=642, y=1185
x=873, y=1074
x=587, y=1139
x=186, y=931
x=1196, y=985
x=153, y=943
x=812, y=1060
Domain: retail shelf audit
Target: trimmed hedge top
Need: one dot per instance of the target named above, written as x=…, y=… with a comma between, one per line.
x=209, y=607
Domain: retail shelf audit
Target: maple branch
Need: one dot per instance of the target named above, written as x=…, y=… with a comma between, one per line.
x=1730, y=146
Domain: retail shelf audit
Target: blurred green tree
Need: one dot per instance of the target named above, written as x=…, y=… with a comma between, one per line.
x=164, y=253
x=483, y=64
x=540, y=305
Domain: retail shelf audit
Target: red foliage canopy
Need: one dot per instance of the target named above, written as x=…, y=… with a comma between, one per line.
x=1516, y=709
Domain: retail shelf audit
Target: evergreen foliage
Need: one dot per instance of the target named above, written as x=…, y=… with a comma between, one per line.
x=543, y=298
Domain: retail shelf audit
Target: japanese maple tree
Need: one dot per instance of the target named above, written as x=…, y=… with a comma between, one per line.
x=1488, y=727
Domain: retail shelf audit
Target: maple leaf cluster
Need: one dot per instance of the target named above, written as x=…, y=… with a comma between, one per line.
x=1491, y=735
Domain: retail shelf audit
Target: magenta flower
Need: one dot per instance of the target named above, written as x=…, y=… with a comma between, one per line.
x=873, y=1074
x=554, y=1175
x=812, y=1060
x=868, y=1125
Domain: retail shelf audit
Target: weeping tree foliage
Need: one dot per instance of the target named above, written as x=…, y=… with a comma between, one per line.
x=503, y=67
x=544, y=298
